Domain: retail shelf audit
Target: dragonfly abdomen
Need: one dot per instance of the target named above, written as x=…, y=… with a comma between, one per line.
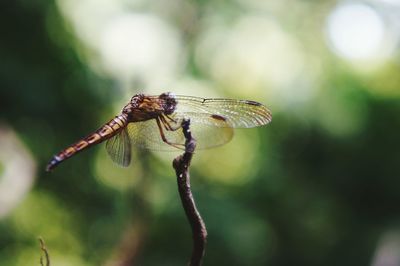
x=107, y=131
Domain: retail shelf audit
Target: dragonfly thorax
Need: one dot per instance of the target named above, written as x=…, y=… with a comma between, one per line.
x=142, y=107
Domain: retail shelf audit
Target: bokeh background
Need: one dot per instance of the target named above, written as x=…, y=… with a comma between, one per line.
x=318, y=186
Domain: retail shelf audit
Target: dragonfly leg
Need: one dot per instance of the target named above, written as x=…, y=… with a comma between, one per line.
x=170, y=118
x=160, y=127
x=167, y=125
x=164, y=122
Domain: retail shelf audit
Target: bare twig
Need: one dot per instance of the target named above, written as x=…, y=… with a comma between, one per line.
x=46, y=253
x=181, y=165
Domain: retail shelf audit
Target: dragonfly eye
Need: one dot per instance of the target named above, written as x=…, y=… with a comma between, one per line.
x=169, y=102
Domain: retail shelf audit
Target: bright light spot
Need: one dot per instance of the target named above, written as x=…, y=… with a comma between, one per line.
x=126, y=46
x=89, y=17
x=139, y=46
x=387, y=251
x=18, y=171
x=356, y=31
x=254, y=56
x=392, y=2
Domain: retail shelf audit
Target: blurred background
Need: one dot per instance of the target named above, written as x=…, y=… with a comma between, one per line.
x=318, y=186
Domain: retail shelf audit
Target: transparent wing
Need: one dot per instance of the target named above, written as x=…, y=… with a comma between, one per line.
x=119, y=148
x=237, y=113
x=147, y=135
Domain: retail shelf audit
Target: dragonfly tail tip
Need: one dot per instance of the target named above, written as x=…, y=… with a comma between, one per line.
x=49, y=168
x=52, y=164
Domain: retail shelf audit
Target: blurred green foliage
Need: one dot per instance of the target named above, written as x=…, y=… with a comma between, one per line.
x=319, y=186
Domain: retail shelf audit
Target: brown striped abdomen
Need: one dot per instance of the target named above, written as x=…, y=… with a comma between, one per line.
x=107, y=131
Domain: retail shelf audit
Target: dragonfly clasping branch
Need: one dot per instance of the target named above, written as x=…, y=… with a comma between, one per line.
x=154, y=122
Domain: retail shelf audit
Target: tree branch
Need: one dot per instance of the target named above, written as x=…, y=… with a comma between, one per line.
x=46, y=253
x=181, y=165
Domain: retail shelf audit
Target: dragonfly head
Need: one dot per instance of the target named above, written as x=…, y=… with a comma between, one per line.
x=134, y=103
x=168, y=102
x=136, y=100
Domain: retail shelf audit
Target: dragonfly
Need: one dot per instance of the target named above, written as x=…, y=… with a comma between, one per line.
x=154, y=123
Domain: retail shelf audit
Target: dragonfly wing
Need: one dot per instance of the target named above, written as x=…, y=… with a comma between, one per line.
x=237, y=113
x=147, y=135
x=119, y=148
x=209, y=136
